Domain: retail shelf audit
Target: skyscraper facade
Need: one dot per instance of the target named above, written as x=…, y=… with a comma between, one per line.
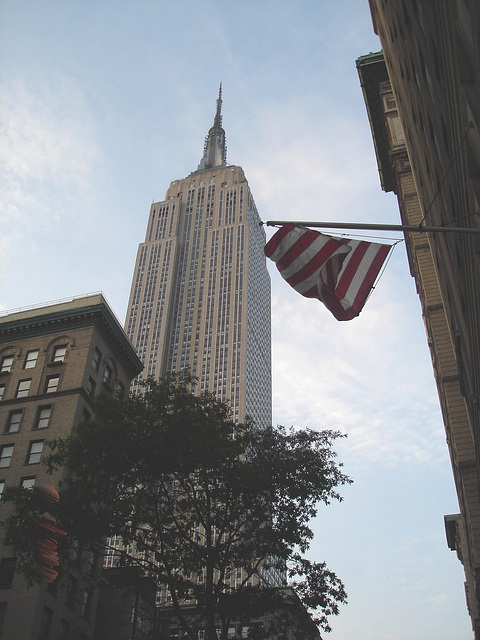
x=200, y=296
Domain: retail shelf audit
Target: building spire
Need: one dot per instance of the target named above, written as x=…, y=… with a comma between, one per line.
x=218, y=116
x=215, y=150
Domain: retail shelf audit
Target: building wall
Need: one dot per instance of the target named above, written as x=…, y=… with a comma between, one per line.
x=66, y=337
x=432, y=74
x=432, y=54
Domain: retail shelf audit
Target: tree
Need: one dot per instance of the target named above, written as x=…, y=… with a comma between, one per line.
x=194, y=497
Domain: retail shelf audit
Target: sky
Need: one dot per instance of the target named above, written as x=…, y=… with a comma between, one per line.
x=104, y=103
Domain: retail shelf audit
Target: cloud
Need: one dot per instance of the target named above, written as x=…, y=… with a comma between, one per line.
x=304, y=169
x=367, y=377
x=371, y=377
x=47, y=135
x=440, y=600
x=48, y=157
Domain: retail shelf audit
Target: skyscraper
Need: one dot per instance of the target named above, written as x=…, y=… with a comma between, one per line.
x=200, y=296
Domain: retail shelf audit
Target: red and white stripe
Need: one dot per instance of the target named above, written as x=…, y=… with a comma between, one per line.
x=339, y=272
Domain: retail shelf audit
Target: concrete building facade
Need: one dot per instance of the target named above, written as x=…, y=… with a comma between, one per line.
x=53, y=360
x=200, y=296
x=423, y=102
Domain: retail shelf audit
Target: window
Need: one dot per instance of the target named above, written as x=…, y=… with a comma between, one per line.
x=59, y=353
x=107, y=375
x=31, y=359
x=23, y=388
x=71, y=591
x=35, y=451
x=97, y=356
x=6, y=453
x=85, y=606
x=7, y=362
x=120, y=388
x=43, y=417
x=76, y=551
x=92, y=563
x=2, y=487
x=27, y=483
x=14, y=419
x=91, y=387
x=7, y=570
x=52, y=384
x=2, y=391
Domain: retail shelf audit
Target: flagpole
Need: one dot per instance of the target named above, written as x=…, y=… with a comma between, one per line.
x=375, y=227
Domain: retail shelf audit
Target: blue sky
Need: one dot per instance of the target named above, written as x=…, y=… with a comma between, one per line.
x=103, y=103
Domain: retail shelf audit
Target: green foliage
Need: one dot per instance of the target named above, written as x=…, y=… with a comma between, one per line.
x=194, y=494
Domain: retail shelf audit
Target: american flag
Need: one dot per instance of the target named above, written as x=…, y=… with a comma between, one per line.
x=340, y=272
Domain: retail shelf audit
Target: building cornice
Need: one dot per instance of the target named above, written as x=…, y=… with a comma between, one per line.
x=65, y=316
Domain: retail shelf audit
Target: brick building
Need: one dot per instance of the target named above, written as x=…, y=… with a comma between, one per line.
x=423, y=101
x=53, y=360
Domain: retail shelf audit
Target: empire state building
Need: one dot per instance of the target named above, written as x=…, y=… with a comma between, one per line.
x=200, y=296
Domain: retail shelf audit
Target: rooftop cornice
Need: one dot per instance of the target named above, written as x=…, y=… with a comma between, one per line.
x=23, y=325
